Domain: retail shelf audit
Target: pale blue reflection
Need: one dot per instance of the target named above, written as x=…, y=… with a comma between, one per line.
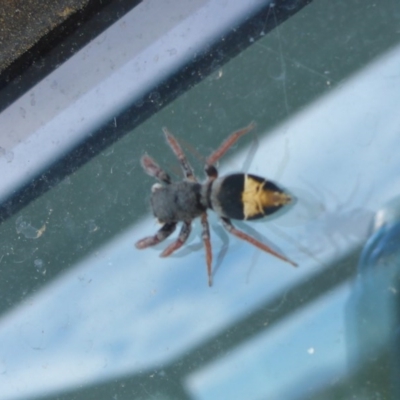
x=121, y=310
x=290, y=360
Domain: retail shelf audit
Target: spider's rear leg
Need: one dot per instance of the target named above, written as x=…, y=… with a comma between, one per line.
x=153, y=169
x=231, y=229
x=183, y=235
x=161, y=235
x=176, y=148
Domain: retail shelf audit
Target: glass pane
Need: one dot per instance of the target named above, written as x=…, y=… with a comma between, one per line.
x=85, y=315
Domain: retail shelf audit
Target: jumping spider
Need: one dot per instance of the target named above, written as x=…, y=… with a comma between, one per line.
x=237, y=196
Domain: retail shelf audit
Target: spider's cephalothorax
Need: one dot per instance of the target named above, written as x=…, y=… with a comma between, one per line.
x=236, y=196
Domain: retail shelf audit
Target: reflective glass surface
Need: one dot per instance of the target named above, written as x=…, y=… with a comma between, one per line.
x=85, y=315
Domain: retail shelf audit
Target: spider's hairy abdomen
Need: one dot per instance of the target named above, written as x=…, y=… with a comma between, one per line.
x=246, y=197
x=179, y=201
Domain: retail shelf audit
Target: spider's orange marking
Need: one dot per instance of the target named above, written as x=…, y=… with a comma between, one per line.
x=256, y=198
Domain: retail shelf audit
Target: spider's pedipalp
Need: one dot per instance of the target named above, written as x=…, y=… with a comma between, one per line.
x=227, y=224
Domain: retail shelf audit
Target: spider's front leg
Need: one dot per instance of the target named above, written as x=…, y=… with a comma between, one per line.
x=176, y=148
x=153, y=169
x=244, y=236
x=161, y=235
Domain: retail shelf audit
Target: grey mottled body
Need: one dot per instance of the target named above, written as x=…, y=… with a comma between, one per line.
x=178, y=201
